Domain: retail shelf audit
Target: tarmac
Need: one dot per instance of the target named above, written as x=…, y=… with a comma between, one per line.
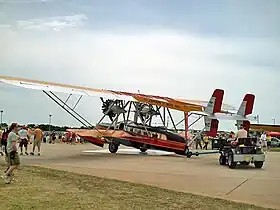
x=198, y=175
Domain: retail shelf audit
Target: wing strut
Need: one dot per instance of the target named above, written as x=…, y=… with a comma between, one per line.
x=70, y=111
x=195, y=121
x=67, y=99
x=171, y=118
x=183, y=119
x=78, y=102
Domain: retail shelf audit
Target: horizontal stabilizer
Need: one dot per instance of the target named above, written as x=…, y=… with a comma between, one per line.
x=222, y=116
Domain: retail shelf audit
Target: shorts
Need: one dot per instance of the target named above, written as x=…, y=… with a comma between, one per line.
x=37, y=143
x=23, y=142
x=269, y=143
x=13, y=159
x=3, y=142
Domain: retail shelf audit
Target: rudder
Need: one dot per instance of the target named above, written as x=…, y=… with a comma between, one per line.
x=214, y=106
x=246, y=108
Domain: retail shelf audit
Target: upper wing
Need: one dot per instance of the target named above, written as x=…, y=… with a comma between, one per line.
x=177, y=104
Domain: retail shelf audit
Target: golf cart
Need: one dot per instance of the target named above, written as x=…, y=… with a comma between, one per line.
x=243, y=151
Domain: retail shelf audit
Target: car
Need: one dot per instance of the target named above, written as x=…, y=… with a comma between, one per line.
x=275, y=142
x=243, y=151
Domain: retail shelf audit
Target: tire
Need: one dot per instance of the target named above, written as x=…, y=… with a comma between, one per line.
x=258, y=164
x=189, y=154
x=143, y=149
x=113, y=147
x=222, y=160
x=231, y=163
x=245, y=163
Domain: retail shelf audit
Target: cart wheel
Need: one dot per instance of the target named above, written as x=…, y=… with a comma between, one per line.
x=222, y=160
x=231, y=163
x=189, y=154
x=113, y=147
x=245, y=163
x=143, y=149
x=258, y=164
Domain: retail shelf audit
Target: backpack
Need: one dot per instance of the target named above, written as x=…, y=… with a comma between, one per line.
x=5, y=136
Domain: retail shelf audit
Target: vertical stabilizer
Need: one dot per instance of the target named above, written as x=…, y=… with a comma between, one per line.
x=246, y=108
x=214, y=106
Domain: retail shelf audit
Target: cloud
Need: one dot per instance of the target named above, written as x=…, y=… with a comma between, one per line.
x=53, y=23
x=154, y=61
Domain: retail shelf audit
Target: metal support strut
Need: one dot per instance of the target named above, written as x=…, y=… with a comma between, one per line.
x=68, y=109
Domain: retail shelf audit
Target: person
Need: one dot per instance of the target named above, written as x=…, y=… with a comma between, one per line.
x=4, y=140
x=12, y=154
x=264, y=141
x=206, y=142
x=198, y=141
x=231, y=135
x=1, y=151
x=4, y=146
x=63, y=139
x=241, y=133
x=74, y=138
x=38, y=137
x=52, y=137
x=23, y=135
x=47, y=138
x=268, y=139
x=30, y=135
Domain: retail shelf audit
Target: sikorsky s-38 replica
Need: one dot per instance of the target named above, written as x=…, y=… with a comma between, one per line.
x=132, y=115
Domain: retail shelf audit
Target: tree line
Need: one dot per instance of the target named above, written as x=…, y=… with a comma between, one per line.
x=47, y=127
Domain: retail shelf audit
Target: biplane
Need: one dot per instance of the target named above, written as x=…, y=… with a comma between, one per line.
x=131, y=116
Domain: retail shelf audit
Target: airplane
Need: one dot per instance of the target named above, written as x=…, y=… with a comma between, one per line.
x=142, y=135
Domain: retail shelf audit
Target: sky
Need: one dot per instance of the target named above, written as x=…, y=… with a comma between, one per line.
x=178, y=48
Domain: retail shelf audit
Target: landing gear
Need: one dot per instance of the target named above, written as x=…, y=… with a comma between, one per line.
x=143, y=149
x=113, y=147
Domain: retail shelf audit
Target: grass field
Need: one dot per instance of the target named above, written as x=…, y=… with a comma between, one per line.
x=41, y=188
x=276, y=149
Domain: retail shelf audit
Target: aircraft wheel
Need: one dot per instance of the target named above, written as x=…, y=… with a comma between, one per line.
x=258, y=164
x=113, y=147
x=231, y=163
x=222, y=160
x=143, y=149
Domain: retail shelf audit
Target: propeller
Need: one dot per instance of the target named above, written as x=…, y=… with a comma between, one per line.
x=105, y=108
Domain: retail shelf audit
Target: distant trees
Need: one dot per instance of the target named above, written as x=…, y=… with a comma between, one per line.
x=4, y=125
x=46, y=127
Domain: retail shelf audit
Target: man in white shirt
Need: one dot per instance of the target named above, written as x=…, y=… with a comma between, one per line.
x=23, y=137
x=241, y=133
x=264, y=141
